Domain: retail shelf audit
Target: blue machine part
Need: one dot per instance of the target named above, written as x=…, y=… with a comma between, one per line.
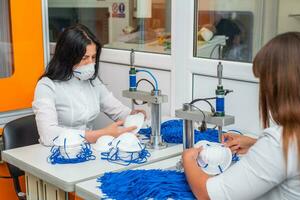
x=132, y=82
x=145, y=184
x=220, y=104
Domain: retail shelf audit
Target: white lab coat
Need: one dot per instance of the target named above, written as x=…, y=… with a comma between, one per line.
x=261, y=173
x=72, y=106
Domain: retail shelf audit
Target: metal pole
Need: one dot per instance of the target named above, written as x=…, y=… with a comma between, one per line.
x=220, y=130
x=156, y=141
x=188, y=130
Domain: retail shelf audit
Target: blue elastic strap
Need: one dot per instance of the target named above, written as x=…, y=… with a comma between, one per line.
x=235, y=158
x=221, y=171
x=145, y=184
x=236, y=131
x=142, y=70
x=85, y=154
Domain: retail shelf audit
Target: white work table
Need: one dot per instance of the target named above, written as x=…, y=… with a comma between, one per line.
x=33, y=159
x=89, y=189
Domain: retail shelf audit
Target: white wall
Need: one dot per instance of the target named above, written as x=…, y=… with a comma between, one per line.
x=115, y=77
x=286, y=22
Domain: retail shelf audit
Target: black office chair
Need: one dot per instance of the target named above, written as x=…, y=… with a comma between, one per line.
x=18, y=133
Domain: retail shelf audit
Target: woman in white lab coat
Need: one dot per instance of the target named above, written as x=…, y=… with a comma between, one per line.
x=270, y=168
x=70, y=95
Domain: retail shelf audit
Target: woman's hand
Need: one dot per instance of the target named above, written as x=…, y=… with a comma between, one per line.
x=115, y=130
x=238, y=143
x=191, y=154
x=136, y=111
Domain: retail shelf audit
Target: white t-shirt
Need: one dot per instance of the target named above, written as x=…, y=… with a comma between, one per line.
x=72, y=106
x=261, y=173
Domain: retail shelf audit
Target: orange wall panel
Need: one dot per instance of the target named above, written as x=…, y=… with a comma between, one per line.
x=27, y=42
x=7, y=191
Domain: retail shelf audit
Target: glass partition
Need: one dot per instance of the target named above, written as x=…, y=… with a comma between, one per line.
x=224, y=30
x=236, y=29
x=143, y=25
x=6, y=53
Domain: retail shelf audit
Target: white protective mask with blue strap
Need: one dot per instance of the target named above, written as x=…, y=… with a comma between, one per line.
x=103, y=143
x=70, y=148
x=214, y=158
x=85, y=72
x=125, y=150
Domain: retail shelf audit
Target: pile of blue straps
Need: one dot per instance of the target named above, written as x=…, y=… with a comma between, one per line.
x=172, y=132
x=145, y=184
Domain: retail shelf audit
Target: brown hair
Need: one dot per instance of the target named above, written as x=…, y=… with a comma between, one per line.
x=277, y=65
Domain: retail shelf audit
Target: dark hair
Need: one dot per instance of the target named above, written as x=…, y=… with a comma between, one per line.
x=69, y=50
x=277, y=65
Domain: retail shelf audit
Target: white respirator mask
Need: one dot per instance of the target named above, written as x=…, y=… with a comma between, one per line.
x=85, y=72
x=214, y=158
x=128, y=142
x=103, y=143
x=70, y=148
x=134, y=120
x=126, y=149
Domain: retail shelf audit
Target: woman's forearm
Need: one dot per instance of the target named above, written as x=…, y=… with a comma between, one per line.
x=196, y=178
x=252, y=141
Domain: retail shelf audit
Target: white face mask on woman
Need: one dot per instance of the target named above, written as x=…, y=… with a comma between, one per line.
x=85, y=72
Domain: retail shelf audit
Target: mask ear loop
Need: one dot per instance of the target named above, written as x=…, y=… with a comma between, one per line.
x=220, y=168
x=65, y=141
x=113, y=156
x=235, y=157
x=201, y=163
x=77, y=72
x=143, y=154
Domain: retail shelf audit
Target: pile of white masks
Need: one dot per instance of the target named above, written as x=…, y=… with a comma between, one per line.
x=214, y=158
x=70, y=148
x=126, y=149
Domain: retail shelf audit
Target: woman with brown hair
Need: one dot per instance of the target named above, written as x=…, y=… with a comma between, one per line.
x=270, y=168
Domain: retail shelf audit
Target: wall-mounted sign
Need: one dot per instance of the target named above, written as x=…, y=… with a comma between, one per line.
x=118, y=10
